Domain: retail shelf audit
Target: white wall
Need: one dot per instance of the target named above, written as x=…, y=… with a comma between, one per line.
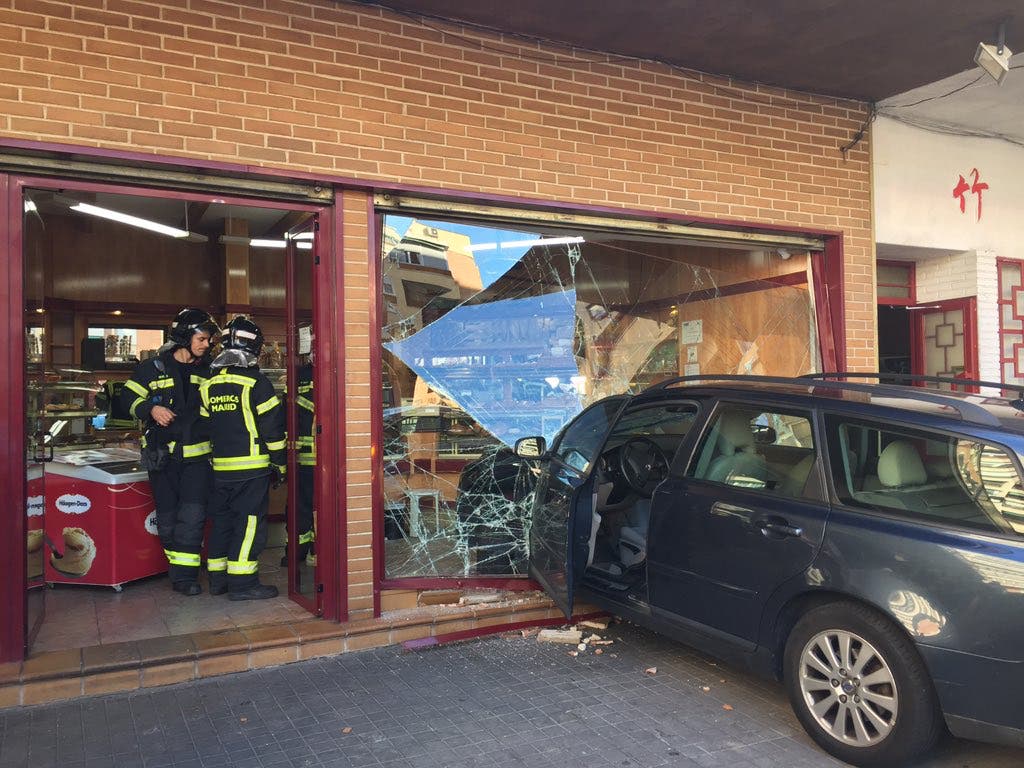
x=915, y=172
x=914, y=175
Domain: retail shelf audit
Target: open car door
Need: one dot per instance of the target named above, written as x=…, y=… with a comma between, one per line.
x=563, y=504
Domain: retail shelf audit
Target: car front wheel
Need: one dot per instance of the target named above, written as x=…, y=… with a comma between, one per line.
x=859, y=688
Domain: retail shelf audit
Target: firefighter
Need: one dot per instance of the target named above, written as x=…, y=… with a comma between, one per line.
x=305, y=444
x=245, y=421
x=163, y=394
x=114, y=403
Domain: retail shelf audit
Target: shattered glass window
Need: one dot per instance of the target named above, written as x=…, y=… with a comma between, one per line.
x=492, y=334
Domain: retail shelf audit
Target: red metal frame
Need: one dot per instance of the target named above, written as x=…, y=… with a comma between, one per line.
x=12, y=409
x=1009, y=333
x=375, y=238
x=969, y=305
x=329, y=346
x=895, y=301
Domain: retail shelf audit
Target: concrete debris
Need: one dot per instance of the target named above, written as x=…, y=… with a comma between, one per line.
x=596, y=623
x=567, y=636
x=596, y=640
x=651, y=671
x=530, y=631
x=480, y=598
x=574, y=653
x=581, y=647
x=598, y=652
x=727, y=707
x=705, y=688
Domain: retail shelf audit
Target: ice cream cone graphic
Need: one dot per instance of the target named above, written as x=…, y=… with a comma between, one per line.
x=79, y=552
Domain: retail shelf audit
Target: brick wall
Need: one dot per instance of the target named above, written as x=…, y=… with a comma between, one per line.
x=356, y=91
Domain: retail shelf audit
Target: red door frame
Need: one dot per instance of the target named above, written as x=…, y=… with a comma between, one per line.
x=329, y=350
x=969, y=305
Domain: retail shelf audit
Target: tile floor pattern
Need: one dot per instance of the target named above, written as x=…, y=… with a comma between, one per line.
x=80, y=616
x=495, y=702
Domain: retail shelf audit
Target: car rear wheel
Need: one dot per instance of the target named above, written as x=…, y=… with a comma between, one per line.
x=859, y=688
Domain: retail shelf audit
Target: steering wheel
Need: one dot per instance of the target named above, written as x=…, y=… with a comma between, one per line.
x=643, y=465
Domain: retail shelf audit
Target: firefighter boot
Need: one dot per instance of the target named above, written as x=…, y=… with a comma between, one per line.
x=255, y=592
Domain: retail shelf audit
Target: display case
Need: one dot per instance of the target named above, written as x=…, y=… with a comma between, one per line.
x=62, y=406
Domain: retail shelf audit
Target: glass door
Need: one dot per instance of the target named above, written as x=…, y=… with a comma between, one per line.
x=41, y=429
x=945, y=340
x=303, y=572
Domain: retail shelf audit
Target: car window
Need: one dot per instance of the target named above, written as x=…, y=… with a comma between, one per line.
x=582, y=439
x=926, y=475
x=752, y=448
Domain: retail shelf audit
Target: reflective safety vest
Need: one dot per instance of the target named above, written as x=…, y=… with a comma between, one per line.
x=305, y=442
x=245, y=422
x=162, y=380
x=118, y=415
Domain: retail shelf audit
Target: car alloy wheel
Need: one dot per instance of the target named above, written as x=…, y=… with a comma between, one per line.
x=859, y=687
x=848, y=687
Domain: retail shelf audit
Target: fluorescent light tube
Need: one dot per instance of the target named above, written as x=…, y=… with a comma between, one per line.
x=132, y=221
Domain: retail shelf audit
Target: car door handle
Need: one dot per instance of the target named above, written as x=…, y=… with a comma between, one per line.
x=779, y=528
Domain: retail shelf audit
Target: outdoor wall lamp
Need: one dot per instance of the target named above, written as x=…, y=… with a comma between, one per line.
x=995, y=59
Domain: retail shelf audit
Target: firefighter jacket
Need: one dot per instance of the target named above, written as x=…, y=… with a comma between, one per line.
x=245, y=422
x=111, y=401
x=162, y=380
x=305, y=441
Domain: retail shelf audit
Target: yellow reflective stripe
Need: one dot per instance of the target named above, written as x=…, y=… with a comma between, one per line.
x=276, y=445
x=307, y=538
x=217, y=564
x=304, y=402
x=305, y=460
x=137, y=388
x=232, y=378
x=161, y=384
x=236, y=568
x=182, y=558
x=136, y=403
x=197, y=449
x=267, y=405
x=243, y=560
x=240, y=463
x=302, y=388
x=203, y=412
x=172, y=445
x=196, y=379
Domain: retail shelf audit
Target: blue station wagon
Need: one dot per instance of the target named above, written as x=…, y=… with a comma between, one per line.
x=863, y=542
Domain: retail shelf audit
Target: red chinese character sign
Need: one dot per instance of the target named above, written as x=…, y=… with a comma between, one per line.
x=975, y=188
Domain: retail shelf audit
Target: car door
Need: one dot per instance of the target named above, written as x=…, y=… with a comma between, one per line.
x=563, y=501
x=734, y=526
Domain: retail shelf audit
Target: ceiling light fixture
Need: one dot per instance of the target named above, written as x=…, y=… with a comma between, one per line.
x=257, y=242
x=995, y=59
x=133, y=221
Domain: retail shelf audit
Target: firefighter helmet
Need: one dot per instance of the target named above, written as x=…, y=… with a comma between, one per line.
x=242, y=333
x=188, y=323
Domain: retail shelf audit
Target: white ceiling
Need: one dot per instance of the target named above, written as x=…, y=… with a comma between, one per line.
x=967, y=103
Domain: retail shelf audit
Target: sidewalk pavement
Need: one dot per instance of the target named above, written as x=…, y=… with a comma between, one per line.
x=496, y=702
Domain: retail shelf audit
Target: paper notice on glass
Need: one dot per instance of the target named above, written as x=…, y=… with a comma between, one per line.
x=691, y=369
x=305, y=340
x=693, y=331
x=691, y=354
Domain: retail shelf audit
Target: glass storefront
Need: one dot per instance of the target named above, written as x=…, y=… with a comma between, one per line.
x=491, y=334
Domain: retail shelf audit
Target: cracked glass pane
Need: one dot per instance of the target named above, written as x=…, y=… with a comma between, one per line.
x=490, y=335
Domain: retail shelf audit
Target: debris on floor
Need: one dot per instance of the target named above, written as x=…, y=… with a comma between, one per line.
x=651, y=671
x=479, y=598
x=568, y=636
x=596, y=623
x=598, y=640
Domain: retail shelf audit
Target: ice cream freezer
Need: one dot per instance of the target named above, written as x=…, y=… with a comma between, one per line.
x=100, y=519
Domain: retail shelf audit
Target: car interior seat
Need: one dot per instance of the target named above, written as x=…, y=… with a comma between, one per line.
x=737, y=462
x=633, y=535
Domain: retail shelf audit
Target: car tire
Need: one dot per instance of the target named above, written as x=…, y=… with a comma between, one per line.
x=859, y=687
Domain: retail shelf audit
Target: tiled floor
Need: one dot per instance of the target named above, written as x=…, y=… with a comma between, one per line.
x=499, y=703
x=79, y=616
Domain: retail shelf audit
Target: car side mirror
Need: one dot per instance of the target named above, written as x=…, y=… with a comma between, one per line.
x=531, y=447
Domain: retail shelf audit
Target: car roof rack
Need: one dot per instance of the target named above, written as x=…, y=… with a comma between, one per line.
x=970, y=412
x=1018, y=404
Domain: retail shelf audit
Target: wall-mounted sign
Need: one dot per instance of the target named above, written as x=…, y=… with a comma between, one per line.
x=693, y=331
x=975, y=188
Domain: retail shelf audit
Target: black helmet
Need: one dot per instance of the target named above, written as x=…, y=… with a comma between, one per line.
x=242, y=333
x=188, y=323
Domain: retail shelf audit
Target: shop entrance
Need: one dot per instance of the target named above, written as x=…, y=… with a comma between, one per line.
x=105, y=270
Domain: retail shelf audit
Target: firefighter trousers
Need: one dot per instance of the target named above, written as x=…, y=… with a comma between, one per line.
x=181, y=491
x=239, y=513
x=304, y=511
